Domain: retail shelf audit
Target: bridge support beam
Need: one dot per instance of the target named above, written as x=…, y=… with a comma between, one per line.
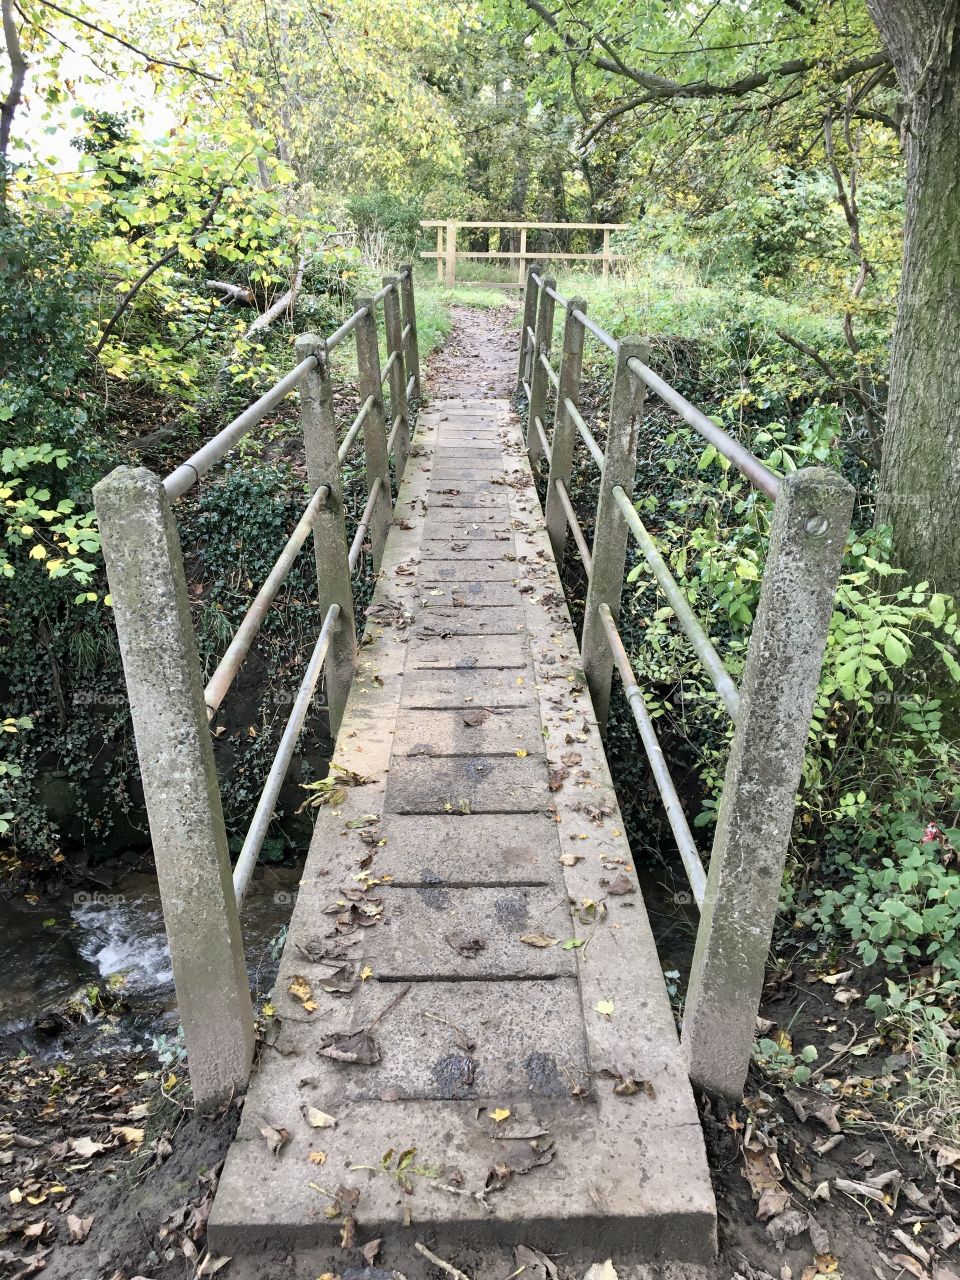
x=611, y=532
x=162, y=670
x=810, y=524
x=539, y=381
x=330, y=531
x=564, y=428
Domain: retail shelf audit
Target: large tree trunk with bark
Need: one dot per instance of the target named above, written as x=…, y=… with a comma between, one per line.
x=920, y=472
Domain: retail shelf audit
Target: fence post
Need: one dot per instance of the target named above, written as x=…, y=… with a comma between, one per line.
x=440, y=255
x=329, y=531
x=451, y=265
x=810, y=523
x=564, y=430
x=393, y=328
x=529, y=318
x=523, y=254
x=539, y=382
x=165, y=688
x=606, y=254
x=611, y=532
x=409, y=315
x=374, y=428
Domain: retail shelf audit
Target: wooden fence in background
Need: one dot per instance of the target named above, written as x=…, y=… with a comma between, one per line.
x=447, y=254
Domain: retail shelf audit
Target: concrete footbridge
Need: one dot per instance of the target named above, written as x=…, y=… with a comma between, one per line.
x=470, y=1037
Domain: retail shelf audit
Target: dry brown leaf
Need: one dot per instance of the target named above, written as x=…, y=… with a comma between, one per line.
x=79, y=1228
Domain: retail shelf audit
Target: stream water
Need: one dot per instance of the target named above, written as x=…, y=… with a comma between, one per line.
x=89, y=970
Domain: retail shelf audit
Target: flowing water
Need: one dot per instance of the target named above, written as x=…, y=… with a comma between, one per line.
x=90, y=969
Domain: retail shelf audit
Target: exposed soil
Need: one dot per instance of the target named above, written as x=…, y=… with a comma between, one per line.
x=107, y=1174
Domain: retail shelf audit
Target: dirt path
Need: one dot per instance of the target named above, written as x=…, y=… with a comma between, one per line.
x=479, y=359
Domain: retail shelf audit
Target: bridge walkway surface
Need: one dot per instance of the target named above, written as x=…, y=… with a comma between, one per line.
x=473, y=1040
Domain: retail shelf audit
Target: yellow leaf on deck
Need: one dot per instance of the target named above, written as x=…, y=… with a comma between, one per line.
x=499, y=1114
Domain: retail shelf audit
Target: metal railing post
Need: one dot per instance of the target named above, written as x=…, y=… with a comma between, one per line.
x=564, y=428
x=539, y=382
x=374, y=427
x=611, y=532
x=164, y=684
x=810, y=523
x=409, y=315
x=529, y=319
x=393, y=328
x=329, y=530
x=451, y=264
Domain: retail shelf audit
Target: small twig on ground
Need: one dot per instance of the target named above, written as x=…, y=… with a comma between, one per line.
x=452, y=1271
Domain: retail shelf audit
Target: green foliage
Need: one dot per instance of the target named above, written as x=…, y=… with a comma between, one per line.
x=394, y=216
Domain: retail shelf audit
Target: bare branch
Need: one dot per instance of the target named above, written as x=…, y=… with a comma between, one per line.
x=141, y=53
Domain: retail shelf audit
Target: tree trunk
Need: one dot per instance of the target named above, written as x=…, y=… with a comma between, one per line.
x=920, y=471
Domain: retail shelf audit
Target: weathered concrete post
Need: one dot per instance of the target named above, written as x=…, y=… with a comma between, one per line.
x=564, y=428
x=611, y=532
x=393, y=328
x=451, y=264
x=374, y=428
x=165, y=688
x=539, y=380
x=329, y=531
x=409, y=313
x=529, y=320
x=810, y=524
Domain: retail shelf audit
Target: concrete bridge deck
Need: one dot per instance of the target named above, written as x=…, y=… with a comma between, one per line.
x=469, y=974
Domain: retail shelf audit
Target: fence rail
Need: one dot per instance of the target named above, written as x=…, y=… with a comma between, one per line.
x=771, y=710
x=171, y=708
x=447, y=255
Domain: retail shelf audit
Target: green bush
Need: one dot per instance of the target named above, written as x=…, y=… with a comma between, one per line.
x=395, y=216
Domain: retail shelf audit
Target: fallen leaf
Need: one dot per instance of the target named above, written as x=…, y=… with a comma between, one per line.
x=499, y=1114
x=466, y=944
x=130, y=1135
x=277, y=1139
x=370, y=1250
x=86, y=1147
x=356, y=1047
x=318, y=1119
x=472, y=719
x=773, y=1202
x=538, y=940
x=602, y=1271
x=605, y=1007
x=79, y=1228
x=301, y=990
x=785, y=1226
x=570, y=859
x=317, y=1157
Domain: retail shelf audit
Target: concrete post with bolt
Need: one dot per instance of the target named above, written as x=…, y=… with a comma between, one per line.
x=564, y=428
x=539, y=378
x=408, y=308
x=611, y=532
x=374, y=426
x=162, y=669
x=329, y=531
x=529, y=320
x=399, y=413
x=810, y=524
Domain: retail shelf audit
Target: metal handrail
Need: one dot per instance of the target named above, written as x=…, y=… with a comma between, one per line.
x=549, y=370
x=281, y=762
x=589, y=439
x=357, y=545
x=392, y=437
x=411, y=383
x=354, y=429
x=244, y=636
x=544, y=442
x=346, y=328
x=576, y=529
x=188, y=473
x=759, y=475
x=711, y=660
x=689, y=854
x=390, y=362
x=526, y=388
